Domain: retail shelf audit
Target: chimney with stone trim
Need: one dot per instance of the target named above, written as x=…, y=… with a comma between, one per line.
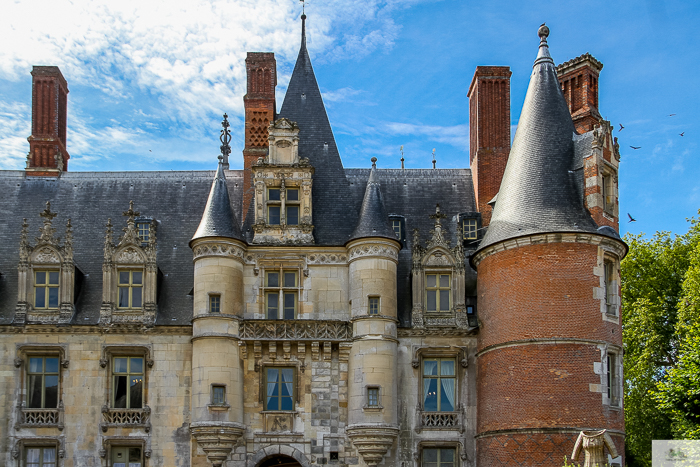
x=489, y=133
x=47, y=144
x=579, y=83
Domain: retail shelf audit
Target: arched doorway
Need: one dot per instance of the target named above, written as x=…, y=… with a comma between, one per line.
x=279, y=461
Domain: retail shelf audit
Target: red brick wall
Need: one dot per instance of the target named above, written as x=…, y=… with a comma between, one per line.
x=542, y=291
x=489, y=133
x=49, y=113
x=580, y=88
x=260, y=111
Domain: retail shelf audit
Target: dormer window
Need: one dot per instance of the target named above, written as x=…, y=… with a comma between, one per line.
x=46, y=290
x=130, y=289
x=283, y=201
x=144, y=231
x=469, y=229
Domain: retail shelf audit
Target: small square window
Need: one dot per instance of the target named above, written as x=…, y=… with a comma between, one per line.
x=293, y=195
x=215, y=303
x=144, y=231
x=372, y=397
x=373, y=307
x=273, y=194
x=469, y=229
x=218, y=394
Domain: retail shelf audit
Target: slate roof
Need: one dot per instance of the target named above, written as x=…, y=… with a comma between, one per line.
x=373, y=220
x=218, y=219
x=541, y=190
x=303, y=104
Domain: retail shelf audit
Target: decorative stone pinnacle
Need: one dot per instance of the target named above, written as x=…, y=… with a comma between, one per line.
x=131, y=213
x=374, y=162
x=225, y=139
x=47, y=214
x=438, y=215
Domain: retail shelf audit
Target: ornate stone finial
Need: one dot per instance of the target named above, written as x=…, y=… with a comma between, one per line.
x=131, y=213
x=108, y=241
x=68, y=243
x=24, y=241
x=374, y=162
x=438, y=216
x=434, y=161
x=543, y=32
x=401, y=149
x=47, y=214
x=225, y=139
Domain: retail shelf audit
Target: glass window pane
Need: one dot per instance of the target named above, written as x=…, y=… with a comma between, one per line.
x=120, y=365
x=272, y=305
x=287, y=403
x=123, y=297
x=444, y=300
x=53, y=278
x=273, y=279
x=123, y=277
x=51, y=365
x=273, y=194
x=274, y=215
x=135, y=391
x=430, y=399
x=290, y=279
x=49, y=455
x=33, y=455
x=136, y=301
x=444, y=281
x=432, y=300
x=447, y=367
x=447, y=455
x=287, y=375
x=120, y=392
x=36, y=365
x=40, y=277
x=292, y=215
x=53, y=297
x=137, y=277
x=136, y=365
x=430, y=455
x=50, y=391
x=431, y=280
x=430, y=367
x=34, y=391
x=292, y=195
x=40, y=297
x=134, y=454
x=218, y=396
x=289, y=300
x=447, y=390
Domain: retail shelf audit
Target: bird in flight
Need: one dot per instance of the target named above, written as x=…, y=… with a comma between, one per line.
x=636, y=147
x=682, y=133
x=672, y=115
x=621, y=127
x=632, y=219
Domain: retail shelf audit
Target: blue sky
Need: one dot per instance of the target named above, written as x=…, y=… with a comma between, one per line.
x=149, y=80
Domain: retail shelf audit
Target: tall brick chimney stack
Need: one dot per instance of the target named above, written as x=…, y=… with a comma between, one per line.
x=489, y=133
x=260, y=111
x=579, y=83
x=47, y=144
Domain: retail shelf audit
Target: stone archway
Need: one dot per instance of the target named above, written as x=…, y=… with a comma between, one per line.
x=279, y=461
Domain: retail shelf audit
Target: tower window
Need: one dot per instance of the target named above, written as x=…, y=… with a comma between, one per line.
x=373, y=397
x=218, y=394
x=215, y=303
x=373, y=306
x=612, y=380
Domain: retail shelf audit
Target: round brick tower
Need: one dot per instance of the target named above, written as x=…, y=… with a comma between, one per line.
x=550, y=339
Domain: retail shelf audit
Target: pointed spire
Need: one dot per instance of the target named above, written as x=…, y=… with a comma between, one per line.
x=373, y=221
x=538, y=192
x=218, y=219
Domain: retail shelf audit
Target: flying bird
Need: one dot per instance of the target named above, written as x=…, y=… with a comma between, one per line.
x=632, y=219
x=682, y=133
x=636, y=147
x=621, y=127
x=672, y=115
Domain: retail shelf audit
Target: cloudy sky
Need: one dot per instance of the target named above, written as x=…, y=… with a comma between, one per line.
x=149, y=80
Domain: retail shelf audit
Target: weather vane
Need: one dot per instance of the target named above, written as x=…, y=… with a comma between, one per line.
x=303, y=6
x=225, y=140
x=402, y=156
x=434, y=161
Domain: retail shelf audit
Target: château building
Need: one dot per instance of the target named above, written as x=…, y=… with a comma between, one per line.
x=299, y=313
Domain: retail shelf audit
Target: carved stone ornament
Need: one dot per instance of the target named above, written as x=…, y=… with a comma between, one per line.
x=130, y=256
x=296, y=330
x=46, y=255
x=382, y=250
x=372, y=442
x=218, y=249
x=216, y=439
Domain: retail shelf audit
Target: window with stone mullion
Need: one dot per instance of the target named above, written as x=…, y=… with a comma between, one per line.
x=281, y=292
x=42, y=383
x=438, y=457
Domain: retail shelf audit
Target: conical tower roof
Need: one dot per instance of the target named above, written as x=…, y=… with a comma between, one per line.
x=303, y=104
x=373, y=220
x=218, y=219
x=538, y=192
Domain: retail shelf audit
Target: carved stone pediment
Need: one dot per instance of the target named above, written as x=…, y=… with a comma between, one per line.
x=129, y=255
x=284, y=143
x=46, y=255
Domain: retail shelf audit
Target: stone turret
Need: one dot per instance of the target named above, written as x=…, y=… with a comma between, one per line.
x=549, y=345
x=217, y=374
x=372, y=402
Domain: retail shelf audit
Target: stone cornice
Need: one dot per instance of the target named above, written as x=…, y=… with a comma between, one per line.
x=612, y=245
x=218, y=248
x=298, y=330
x=373, y=247
x=93, y=329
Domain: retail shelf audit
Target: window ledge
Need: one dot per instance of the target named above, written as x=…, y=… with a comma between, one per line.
x=219, y=407
x=377, y=408
x=279, y=411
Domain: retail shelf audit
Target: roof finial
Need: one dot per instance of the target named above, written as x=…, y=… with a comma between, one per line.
x=434, y=161
x=303, y=23
x=374, y=162
x=401, y=156
x=225, y=139
x=543, y=53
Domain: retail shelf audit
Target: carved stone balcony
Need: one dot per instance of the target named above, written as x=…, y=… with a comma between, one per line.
x=40, y=418
x=126, y=418
x=323, y=330
x=440, y=420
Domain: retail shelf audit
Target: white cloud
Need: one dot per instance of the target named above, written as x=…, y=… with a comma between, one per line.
x=15, y=126
x=456, y=135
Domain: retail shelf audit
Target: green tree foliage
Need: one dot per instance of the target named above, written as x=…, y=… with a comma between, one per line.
x=653, y=275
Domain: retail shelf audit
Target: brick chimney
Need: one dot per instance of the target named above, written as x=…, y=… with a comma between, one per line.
x=489, y=133
x=47, y=144
x=260, y=111
x=579, y=83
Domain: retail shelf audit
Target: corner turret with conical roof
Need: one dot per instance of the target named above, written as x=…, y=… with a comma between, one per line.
x=373, y=220
x=538, y=192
